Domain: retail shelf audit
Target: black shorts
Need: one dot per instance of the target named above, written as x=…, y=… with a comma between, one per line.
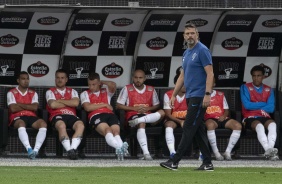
x=69, y=120
x=29, y=120
x=248, y=121
x=177, y=124
x=220, y=124
x=110, y=119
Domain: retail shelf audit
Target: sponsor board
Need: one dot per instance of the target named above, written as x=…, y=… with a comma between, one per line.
x=44, y=42
x=156, y=70
x=229, y=71
x=12, y=20
x=78, y=68
x=10, y=66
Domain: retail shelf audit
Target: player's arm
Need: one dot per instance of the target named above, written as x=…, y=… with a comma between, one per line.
x=89, y=107
x=224, y=116
x=29, y=107
x=169, y=116
x=179, y=84
x=55, y=104
x=111, y=85
x=209, y=85
x=246, y=100
x=17, y=107
x=52, y=102
x=74, y=102
x=127, y=108
x=270, y=103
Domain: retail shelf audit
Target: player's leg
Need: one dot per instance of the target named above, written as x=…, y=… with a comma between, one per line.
x=169, y=136
x=78, y=127
x=60, y=126
x=236, y=128
x=23, y=136
x=211, y=125
x=142, y=140
x=271, y=136
x=262, y=138
x=41, y=126
x=149, y=118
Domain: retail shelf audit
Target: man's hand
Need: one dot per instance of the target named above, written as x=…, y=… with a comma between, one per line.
x=171, y=102
x=206, y=101
x=221, y=118
x=109, y=107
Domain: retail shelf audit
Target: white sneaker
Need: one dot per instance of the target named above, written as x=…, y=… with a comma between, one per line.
x=219, y=158
x=271, y=152
x=125, y=149
x=227, y=156
x=274, y=158
x=133, y=122
x=146, y=157
x=119, y=154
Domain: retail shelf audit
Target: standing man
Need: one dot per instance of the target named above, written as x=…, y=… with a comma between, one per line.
x=96, y=101
x=197, y=77
x=61, y=105
x=257, y=102
x=138, y=100
x=23, y=104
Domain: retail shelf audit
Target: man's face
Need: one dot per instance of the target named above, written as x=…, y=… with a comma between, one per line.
x=257, y=77
x=191, y=36
x=61, y=80
x=94, y=85
x=23, y=80
x=138, y=78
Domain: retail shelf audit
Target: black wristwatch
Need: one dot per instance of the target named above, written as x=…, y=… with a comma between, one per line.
x=207, y=93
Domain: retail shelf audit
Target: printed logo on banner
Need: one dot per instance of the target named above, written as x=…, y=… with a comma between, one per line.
x=8, y=40
x=198, y=22
x=78, y=68
x=156, y=43
x=44, y=42
x=112, y=70
x=229, y=71
x=272, y=23
x=15, y=20
x=267, y=70
x=89, y=21
x=82, y=42
x=48, y=20
x=265, y=44
x=7, y=67
x=122, y=22
x=156, y=70
x=117, y=43
x=238, y=23
x=232, y=43
x=38, y=69
x=10, y=66
x=163, y=22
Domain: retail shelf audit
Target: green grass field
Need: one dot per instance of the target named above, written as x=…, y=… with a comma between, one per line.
x=136, y=175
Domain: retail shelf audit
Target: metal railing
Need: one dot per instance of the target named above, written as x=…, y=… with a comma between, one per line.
x=156, y=3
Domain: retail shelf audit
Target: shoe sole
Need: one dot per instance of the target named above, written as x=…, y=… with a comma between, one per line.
x=204, y=170
x=164, y=166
